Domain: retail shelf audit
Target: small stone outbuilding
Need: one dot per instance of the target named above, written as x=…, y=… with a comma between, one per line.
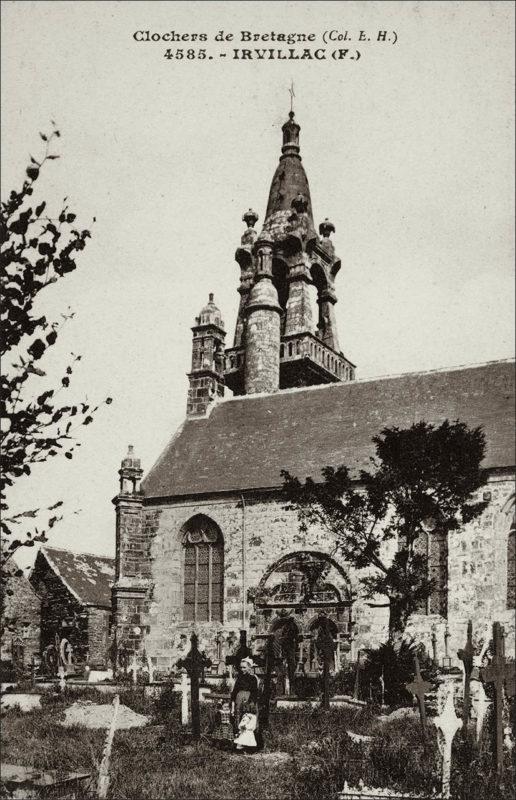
x=75, y=593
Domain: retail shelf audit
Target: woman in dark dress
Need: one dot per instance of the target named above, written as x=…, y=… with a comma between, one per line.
x=244, y=691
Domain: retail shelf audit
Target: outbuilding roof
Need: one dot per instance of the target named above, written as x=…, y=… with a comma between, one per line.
x=245, y=442
x=87, y=576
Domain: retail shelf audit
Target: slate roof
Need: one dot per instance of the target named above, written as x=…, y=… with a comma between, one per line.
x=87, y=576
x=246, y=441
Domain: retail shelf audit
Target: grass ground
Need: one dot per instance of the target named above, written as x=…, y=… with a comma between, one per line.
x=156, y=762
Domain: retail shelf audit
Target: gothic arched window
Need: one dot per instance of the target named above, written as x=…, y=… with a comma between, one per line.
x=433, y=544
x=203, y=571
x=511, y=566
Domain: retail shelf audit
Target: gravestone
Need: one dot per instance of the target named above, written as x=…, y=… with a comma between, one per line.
x=62, y=679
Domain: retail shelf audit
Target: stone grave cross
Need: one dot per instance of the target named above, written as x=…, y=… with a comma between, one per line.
x=194, y=663
x=133, y=667
x=466, y=656
x=419, y=688
x=497, y=673
x=185, y=688
x=356, y=688
x=446, y=658
x=326, y=648
x=447, y=724
x=434, y=644
x=267, y=680
x=241, y=652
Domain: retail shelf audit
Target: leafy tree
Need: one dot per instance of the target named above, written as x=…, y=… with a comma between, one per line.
x=36, y=251
x=423, y=478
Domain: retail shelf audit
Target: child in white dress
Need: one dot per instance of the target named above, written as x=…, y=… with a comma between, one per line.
x=247, y=727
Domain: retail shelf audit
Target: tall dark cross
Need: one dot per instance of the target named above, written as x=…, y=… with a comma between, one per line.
x=195, y=663
x=326, y=649
x=466, y=656
x=434, y=645
x=497, y=673
x=241, y=652
x=419, y=688
x=265, y=698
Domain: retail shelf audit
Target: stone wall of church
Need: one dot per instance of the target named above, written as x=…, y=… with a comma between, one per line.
x=271, y=531
x=477, y=569
x=477, y=575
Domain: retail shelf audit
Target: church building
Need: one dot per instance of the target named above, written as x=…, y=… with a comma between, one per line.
x=205, y=541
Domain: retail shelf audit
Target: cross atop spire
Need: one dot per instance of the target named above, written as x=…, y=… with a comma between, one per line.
x=292, y=95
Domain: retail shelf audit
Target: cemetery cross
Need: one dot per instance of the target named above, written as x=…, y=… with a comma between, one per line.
x=466, y=656
x=194, y=663
x=326, y=647
x=419, y=688
x=356, y=688
x=448, y=724
x=496, y=673
x=241, y=652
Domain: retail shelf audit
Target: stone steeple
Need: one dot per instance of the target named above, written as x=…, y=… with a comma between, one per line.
x=207, y=374
x=279, y=341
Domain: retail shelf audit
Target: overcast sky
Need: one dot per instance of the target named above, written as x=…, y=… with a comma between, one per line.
x=408, y=151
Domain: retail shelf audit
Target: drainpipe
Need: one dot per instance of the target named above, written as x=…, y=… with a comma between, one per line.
x=243, y=561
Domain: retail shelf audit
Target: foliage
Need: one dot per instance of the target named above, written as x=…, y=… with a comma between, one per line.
x=423, y=478
x=37, y=251
x=394, y=662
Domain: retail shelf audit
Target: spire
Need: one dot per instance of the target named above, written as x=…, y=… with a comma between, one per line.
x=289, y=190
x=278, y=343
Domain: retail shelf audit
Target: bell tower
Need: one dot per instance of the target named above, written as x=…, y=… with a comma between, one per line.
x=280, y=340
x=207, y=374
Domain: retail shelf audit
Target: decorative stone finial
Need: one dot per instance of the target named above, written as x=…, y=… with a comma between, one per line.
x=290, y=131
x=326, y=228
x=130, y=473
x=130, y=461
x=250, y=218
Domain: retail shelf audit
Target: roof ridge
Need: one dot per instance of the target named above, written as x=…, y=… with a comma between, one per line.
x=372, y=379
x=77, y=553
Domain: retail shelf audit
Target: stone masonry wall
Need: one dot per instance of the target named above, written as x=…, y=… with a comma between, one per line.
x=98, y=637
x=271, y=531
x=477, y=573
x=21, y=620
x=136, y=529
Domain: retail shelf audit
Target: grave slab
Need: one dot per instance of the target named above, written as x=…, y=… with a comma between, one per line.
x=24, y=782
x=25, y=702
